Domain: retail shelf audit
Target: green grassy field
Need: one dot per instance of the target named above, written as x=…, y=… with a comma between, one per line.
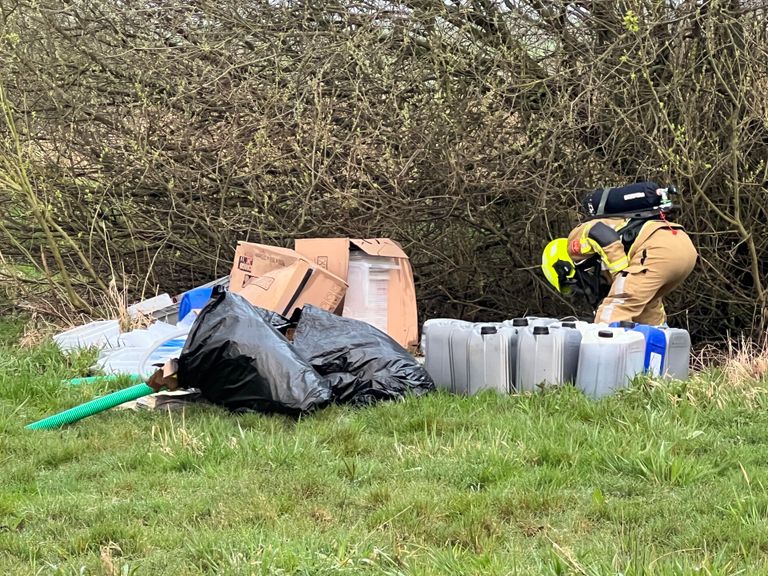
x=664, y=479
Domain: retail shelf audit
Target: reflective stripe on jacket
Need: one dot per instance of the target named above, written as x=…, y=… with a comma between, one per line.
x=603, y=236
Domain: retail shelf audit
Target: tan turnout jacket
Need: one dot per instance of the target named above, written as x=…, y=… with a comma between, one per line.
x=659, y=259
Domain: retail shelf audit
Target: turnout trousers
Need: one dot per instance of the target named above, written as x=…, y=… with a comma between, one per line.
x=656, y=268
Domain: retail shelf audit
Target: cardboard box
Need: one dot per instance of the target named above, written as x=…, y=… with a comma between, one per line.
x=332, y=254
x=323, y=289
x=281, y=280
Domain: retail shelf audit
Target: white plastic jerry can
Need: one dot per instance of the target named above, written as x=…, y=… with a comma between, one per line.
x=678, y=358
x=458, y=349
x=436, y=347
x=580, y=325
x=488, y=367
x=570, y=344
x=538, y=358
x=540, y=320
x=515, y=326
x=608, y=361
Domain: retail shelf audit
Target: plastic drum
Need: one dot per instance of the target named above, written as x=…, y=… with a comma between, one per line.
x=193, y=300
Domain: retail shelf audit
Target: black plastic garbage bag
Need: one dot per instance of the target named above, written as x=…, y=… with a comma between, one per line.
x=379, y=367
x=240, y=361
x=277, y=321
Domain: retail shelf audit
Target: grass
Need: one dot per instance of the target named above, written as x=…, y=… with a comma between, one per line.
x=668, y=478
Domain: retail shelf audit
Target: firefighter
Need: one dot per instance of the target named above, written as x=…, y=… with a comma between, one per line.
x=645, y=254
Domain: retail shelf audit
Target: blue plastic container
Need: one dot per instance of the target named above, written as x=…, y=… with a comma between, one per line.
x=655, y=345
x=193, y=300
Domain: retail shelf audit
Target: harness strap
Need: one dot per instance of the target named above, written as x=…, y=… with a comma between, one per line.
x=589, y=282
x=630, y=231
x=603, y=201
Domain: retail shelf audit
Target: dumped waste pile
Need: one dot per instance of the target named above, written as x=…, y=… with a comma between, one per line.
x=288, y=331
x=335, y=322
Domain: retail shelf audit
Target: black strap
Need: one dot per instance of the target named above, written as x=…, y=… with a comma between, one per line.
x=631, y=231
x=298, y=291
x=589, y=281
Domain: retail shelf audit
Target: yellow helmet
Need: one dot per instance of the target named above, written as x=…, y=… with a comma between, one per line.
x=558, y=266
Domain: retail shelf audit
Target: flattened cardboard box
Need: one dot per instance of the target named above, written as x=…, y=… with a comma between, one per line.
x=281, y=280
x=333, y=255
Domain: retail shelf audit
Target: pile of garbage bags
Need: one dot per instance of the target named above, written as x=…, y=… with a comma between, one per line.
x=229, y=340
x=238, y=356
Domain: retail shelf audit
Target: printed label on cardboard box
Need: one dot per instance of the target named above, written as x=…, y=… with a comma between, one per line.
x=271, y=258
x=245, y=263
x=263, y=282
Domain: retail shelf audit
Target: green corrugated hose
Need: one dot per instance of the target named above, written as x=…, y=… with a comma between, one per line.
x=90, y=408
x=106, y=378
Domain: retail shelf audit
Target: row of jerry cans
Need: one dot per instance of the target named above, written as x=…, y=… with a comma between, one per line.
x=523, y=354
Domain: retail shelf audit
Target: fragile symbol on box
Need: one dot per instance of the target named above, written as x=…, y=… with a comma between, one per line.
x=263, y=282
x=332, y=298
x=322, y=261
